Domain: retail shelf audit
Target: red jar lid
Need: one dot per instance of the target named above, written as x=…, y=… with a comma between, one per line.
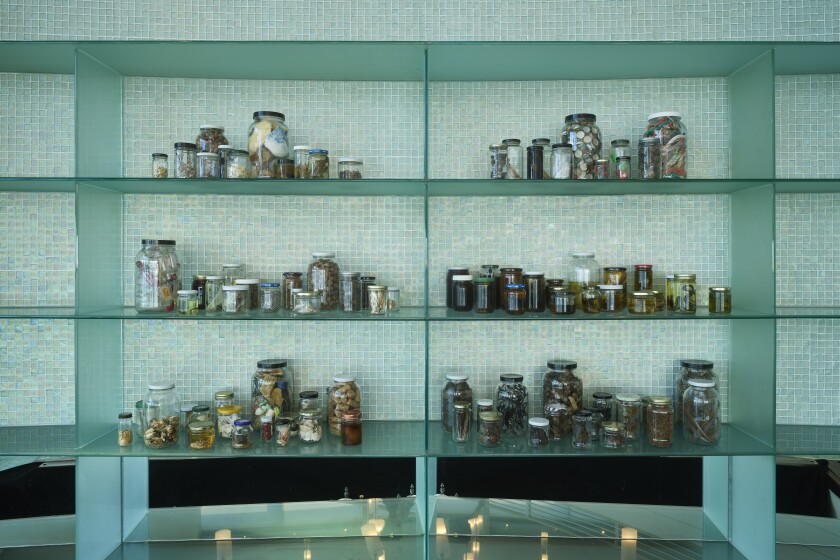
x=643, y=265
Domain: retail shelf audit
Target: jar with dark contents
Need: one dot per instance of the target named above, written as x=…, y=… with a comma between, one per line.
x=561, y=385
x=534, y=291
x=242, y=437
x=485, y=295
x=720, y=300
x=451, y=272
x=267, y=428
x=456, y=389
x=584, y=135
x=642, y=277
x=562, y=301
x=616, y=276
x=580, y=428
x=512, y=403
x=271, y=389
x=462, y=292
x=199, y=284
x=461, y=421
x=701, y=412
x=538, y=432
x=253, y=285
x=319, y=164
x=660, y=424
x=545, y=144
x=349, y=168
x=628, y=411
x=515, y=299
x=535, y=162
x=612, y=297
x=559, y=420
x=613, y=435
x=482, y=405
x=649, y=158
x=210, y=138
x=498, y=161
x=685, y=293
x=364, y=282
x=667, y=127
x=602, y=402
x=351, y=292
x=291, y=280
x=489, y=428
x=271, y=299
x=590, y=299
x=235, y=299
x=691, y=369
x=507, y=275
x=323, y=275
x=351, y=428
x=552, y=283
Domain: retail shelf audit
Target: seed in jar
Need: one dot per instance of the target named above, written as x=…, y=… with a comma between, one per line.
x=580, y=134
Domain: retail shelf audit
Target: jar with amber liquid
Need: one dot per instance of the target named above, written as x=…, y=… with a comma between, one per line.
x=720, y=300
x=685, y=293
x=616, y=276
x=641, y=303
x=534, y=291
x=507, y=276
x=612, y=297
x=515, y=299
x=590, y=299
x=351, y=428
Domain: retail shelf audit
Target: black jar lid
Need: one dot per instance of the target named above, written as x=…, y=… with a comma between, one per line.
x=541, y=141
x=561, y=145
x=515, y=377
x=580, y=116
x=616, y=268
x=697, y=364
x=620, y=142
x=260, y=114
x=372, y=278
x=189, y=145
x=201, y=408
x=511, y=141
x=309, y=394
x=158, y=242
x=160, y=155
x=582, y=415
x=272, y=363
x=124, y=415
x=602, y=395
x=289, y=274
x=559, y=365
x=510, y=269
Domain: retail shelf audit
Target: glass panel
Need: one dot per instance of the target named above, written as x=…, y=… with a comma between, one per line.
x=243, y=187
x=483, y=187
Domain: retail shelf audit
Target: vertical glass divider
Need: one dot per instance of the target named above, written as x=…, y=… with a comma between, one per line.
x=422, y=488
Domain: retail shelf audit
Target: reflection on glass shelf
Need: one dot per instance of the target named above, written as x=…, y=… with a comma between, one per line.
x=487, y=187
x=38, y=441
x=808, y=312
x=37, y=312
x=50, y=532
x=445, y=314
x=806, y=552
x=310, y=187
x=403, y=314
x=807, y=440
x=732, y=442
x=57, y=552
x=807, y=530
x=379, y=439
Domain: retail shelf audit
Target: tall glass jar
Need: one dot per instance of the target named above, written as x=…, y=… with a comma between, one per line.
x=462, y=292
x=580, y=428
x=271, y=389
x=351, y=428
x=451, y=273
x=584, y=135
x=377, y=299
x=302, y=162
x=291, y=281
x=545, y=144
x=161, y=409
x=498, y=161
x=668, y=128
x=225, y=417
x=642, y=277
x=344, y=396
x=489, y=428
x=492, y=271
x=628, y=411
x=561, y=385
x=660, y=422
x=160, y=166
x=456, y=389
x=485, y=295
x=612, y=297
x=515, y=158
x=253, y=285
x=538, y=432
x=669, y=291
x=268, y=144
x=602, y=402
x=482, y=405
x=508, y=275
x=319, y=164
x=685, y=293
x=512, y=403
x=559, y=420
x=562, y=160
x=691, y=369
x=243, y=434
x=461, y=425
x=619, y=148
x=184, y=160
x=157, y=276
x=125, y=430
x=210, y=138
x=324, y=275
x=649, y=158
x=534, y=291
x=616, y=276
x=224, y=151
x=271, y=299
x=584, y=271
x=393, y=299
x=351, y=292
x=701, y=412
x=535, y=164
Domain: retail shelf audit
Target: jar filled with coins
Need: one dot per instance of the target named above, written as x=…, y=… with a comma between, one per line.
x=585, y=137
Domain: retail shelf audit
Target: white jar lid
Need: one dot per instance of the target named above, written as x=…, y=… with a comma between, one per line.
x=307, y=148
x=455, y=377
x=610, y=287
x=393, y=289
x=187, y=292
x=533, y=274
x=231, y=265
x=215, y=278
x=701, y=382
x=345, y=379
x=161, y=385
x=584, y=254
x=220, y=127
x=665, y=114
x=349, y=159
x=236, y=288
x=484, y=402
x=457, y=277
x=538, y=422
x=225, y=147
x=628, y=397
x=247, y=281
x=207, y=154
x=318, y=255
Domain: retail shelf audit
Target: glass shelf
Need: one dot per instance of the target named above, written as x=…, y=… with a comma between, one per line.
x=38, y=313
x=297, y=187
x=808, y=530
x=53, y=534
x=38, y=184
x=487, y=187
x=805, y=552
x=38, y=441
x=806, y=186
x=46, y=552
x=445, y=314
x=808, y=312
x=807, y=440
x=732, y=442
x=403, y=314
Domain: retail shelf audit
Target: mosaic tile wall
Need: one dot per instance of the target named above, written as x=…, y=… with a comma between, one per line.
x=380, y=122
x=673, y=233
x=382, y=236
x=202, y=357
x=466, y=117
x=525, y=347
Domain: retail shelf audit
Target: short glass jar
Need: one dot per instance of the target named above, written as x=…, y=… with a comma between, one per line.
x=266, y=428
x=350, y=292
x=534, y=291
x=580, y=428
x=291, y=281
x=451, y=273
x=161, y=410
x=351, y=428
x=310, y=429
x=236, y=165
x=552, y=283
x=184, y=160
x=511, y=401
x=349, y=168
x=667, y=127
x=618, y=148
x=602, y=169
x=660, y=422
x=243, y=434
x=235, y=299
x=641, y=303
x=561, y=301
x=456, y=389
x=642, y=277
x=188, y=302
x=253, y=285
x=559, y=420
x=268, y=144
x=685, y=293
x=562, y=161
x=160, y=166
x=613, y=435
x=515, y=158
x=561, y=385
x=485, y=295
x=498, y=161
x=231, y=272
x=225, y=417
x=201, y=434
x=344, y=396
x=461, y=418
x=659, y=298
x=584, y=135
x=208, y=165
x=537, y=155
x=538, y=432
x=462, y=292
x=590, y=299
x=157, y=276
x=623, y=167
x=584, y=271
x=720, y=300
x=319, y=164
x=210, y=137
x=323, y=275
x=515, y=299
x=222, y=398
x=125, y=430
x=282, y=431
x=489, y=428
x=691, y=369
x=701, y=412
x=377, y=299
x=271, y=297
x=309, y=400
x=612, y=297
x=628, y=411
x=393, y=299
x=306, y=303
x=602, y=402
x=199, y=284
x=301, y=159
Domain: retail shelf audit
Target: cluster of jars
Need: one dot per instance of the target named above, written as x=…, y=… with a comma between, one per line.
x=611, y=420
x=268, y=155
x=161, y=417
x=662, y=152
x=588, y=286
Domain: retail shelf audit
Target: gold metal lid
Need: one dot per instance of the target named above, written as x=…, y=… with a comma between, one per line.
x=660, y=400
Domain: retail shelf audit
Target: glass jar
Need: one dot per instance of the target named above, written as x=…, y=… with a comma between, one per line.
x=612, y=297
x=602, y=402
x=616, y=276
x=667, y=127
x=559, y=420
x=669, y=292
x=393, y=299
x=485, y=295
x=157, y=276
x=561, y=385
x=515, y=159
x=562, y=160
x=236, y=165
x=456, y=389
x=187, y=302
x=515, y=299
x=377, y=299
x=685, y=293
x=613, y=435
x=291, y=281
x=224, y=151
x=701, y=412
x=282, y=431
x=645, y=410
x=590, y=299
x=462, y=292
x=160, y=166
x=268, y=144
x=319, y=164
x=253, y=285
x=310, y=429
x=482, y=405
x=323, y=275
x=231, y=272
x=507, y=275
x=201, y=434
x=161, y=410
x=306, y=303
x=649, y=158
x=184, y=160
x=642, y=277
x=344, y=396
x=535, y=169
x=351, y=428
x=545, y=143
x=552, y=283
x=489, y=428
x=720, y=300
x=641, y=303
x=461, y=417
x=659, y=298
x=125, y=429
x=235, y=299
x=602, y=169
x=584, y=135
x=350, y=292
x=562, y=301
x=349, y=168
x=660, y=422
x=538, y=432
x=618, y=149
x=208, y=165
x=210, y=137
x=623, y=167
x=628, y=411
x=584, y=271
x=691, y=369
x=222, y=398
x=512, y=403
x=271, y=389
x=593, y=424
x=243, y=434
x=199, y=284
x=309, y=400
x=270, y=297
x=534, y=291
x=498, y=161
x=580, y=428
x=301, y=159
x=225, y=417
x=492, y=271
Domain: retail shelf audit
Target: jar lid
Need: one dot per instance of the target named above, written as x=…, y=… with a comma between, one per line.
x=284, y=421
x=685, y=276
x=158, y=242
x=301, y=147
x=239, y=152
x=720, y=289
x=511, y=141
x=351, y=274
x=580, y=117
x=612, y=427
x=272, y=363
x=211, y=126
x=611, y=287
x=187, y=292
x=231, y=265
x=515, y=286
x=649, y=140
x=350, y=159
x=377, y=287
x=455, y=377
x=393, y=289
x=353, y=414
x=533, y=147
x=309, y=394
x=160, y=155
x=622, y=158
x=207, y=155
x=485, y=280
x=515, y=377
x=311, y=413
x=602, y=395
x=161, y=386
x=124, y=415
x=266, y=418
x=701, y=382
x=344, y=378
x=643, y=266
x=675, y=114
x=538, y=422
x=620, y=142
x=259, y=114
x=697, y=364
x=561, y=291
x=582, y=415
x=644, y=294
x=628, y=397
x=247, y=281
x=225, y=146
x=561, y=145
x=235, y=288
x=511, y=269
x=219, y=395
x=200, y=426
x=660, y=400
x=188, y=145
x=616, y=268
x=242, y=422
x=533, y=274
x=484, y=402
x=229, y=409
x=291, y=274
x=187, y=407
x=323, y=255
x=461, y=277
x=559, y=365
x=199, y=277
x=541, y=141
x=462, y=405
x=497, y=146
x=318, y=151
x=489, y=266
x=201, y=408
x=669, y=276
x=602, y=161
x=449, y=269
x=490, y=416
x=584, y=255
x=270, y=285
